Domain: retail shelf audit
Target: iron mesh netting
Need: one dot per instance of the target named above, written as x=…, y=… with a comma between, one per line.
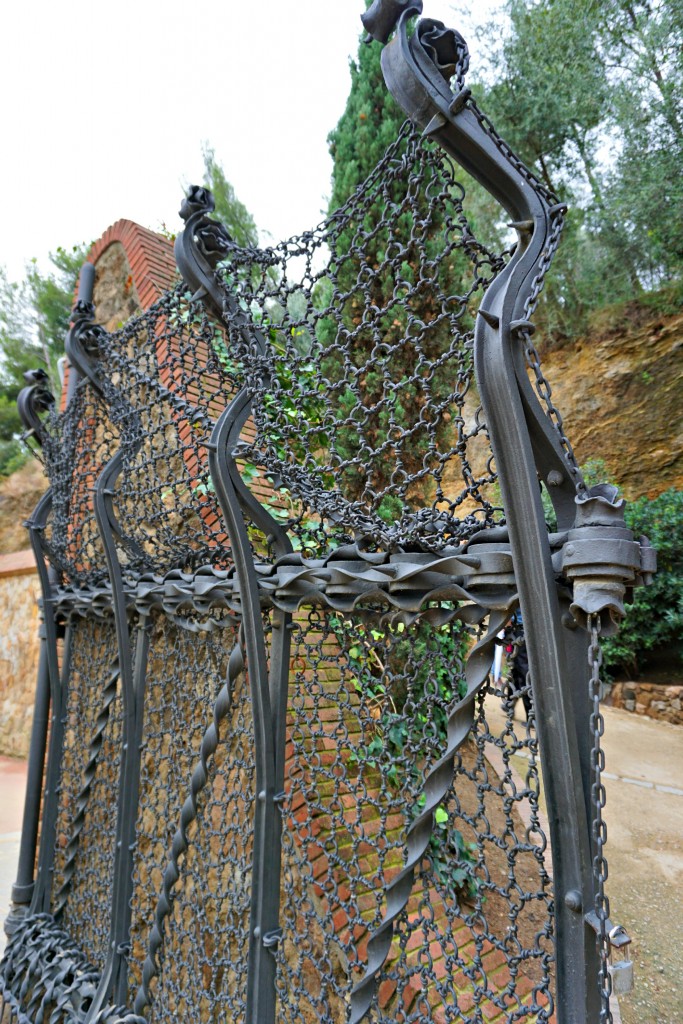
x=76, y=446
x=355, y=343
x=165, y=384
x=202, y=962
x=184, y=676
x=365, y=426
x=89, y=780
x=368, y=706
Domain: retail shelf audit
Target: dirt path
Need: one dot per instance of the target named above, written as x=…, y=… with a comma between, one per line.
x=644, y=783
x=644, y=762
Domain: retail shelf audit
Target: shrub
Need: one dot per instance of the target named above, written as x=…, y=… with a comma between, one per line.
x=654, y=621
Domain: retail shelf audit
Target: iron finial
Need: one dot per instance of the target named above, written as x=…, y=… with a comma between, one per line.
x=383, y=16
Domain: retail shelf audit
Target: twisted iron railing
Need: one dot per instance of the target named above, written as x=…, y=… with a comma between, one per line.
x=292, y=506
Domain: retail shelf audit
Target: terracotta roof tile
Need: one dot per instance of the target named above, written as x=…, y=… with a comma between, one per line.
x=150, y=257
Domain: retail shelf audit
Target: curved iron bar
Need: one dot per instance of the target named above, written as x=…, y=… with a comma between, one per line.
x=435, y=788
x=418, y=70
x=83, y=346
x=57, y=685
x=526, y=446
x=82, y=800
x=199, y=248
x=188, y=814
x=229, y=485
x=33, y=400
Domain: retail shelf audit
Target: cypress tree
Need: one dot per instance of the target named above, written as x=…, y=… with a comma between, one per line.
x=411, y=365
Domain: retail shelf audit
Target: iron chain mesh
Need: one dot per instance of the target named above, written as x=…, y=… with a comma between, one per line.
x=475, y=941
x=90, y=766
x=599, y=827
x=198, y=975
x=353, y=343
x=75, y=448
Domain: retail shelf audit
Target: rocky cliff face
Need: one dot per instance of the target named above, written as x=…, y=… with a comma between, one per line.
x=620, y=392
x=19, y=495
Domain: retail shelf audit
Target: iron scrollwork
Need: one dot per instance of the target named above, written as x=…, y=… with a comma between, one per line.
x=419, y=69
x=199, y=248
x=327, y=612
x=34, y=401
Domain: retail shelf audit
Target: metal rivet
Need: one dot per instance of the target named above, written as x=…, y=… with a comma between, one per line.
x=262, y=795
x=569, y=550
x=555, y=478
x=573, y=900
x=257, y=932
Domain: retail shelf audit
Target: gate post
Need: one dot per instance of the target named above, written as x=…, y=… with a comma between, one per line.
x=33, y=881
x=198, y=249
x=420, y=69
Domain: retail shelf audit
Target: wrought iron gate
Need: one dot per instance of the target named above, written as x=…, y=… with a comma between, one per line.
x=292, y=507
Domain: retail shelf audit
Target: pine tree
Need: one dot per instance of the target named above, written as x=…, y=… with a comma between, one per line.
x=34, y=319
x=369, y=124
x=228, y=210
x=413, y=208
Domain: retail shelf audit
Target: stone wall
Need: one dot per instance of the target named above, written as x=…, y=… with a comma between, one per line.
x=655, y=701
x=19, y=650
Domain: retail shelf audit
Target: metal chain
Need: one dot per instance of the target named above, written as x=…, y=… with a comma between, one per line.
x=543, y=387
x=558, y=211
x=402, y=345
x=510, y=155
x=599, y=827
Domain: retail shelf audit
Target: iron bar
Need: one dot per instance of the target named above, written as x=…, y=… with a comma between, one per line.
x=22, y=890
x=280, y=779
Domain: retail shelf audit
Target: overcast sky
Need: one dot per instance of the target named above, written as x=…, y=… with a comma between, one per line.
x=105, y=107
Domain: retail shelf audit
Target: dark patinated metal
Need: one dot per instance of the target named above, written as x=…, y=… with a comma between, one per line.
x=279, y=779
x=382, y=16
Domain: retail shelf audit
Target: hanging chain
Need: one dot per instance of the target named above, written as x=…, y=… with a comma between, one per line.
x=557, y=214
x=531, y=353
x=599, y=827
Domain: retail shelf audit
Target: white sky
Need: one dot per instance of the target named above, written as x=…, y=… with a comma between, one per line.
x=104, y=108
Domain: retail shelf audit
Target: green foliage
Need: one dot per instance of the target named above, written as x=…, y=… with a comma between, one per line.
x=369, y=124
x=34, y=320
x=229, y=210
x=590, y=94
x=653, y=625
x=643, y=42
x=654, y=621
x=411, y=715
x=375, y=418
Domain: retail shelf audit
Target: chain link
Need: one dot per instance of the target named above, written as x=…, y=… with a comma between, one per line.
x=354, y=343
x=599, y=827
x=543, y=387
x=557, y=214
